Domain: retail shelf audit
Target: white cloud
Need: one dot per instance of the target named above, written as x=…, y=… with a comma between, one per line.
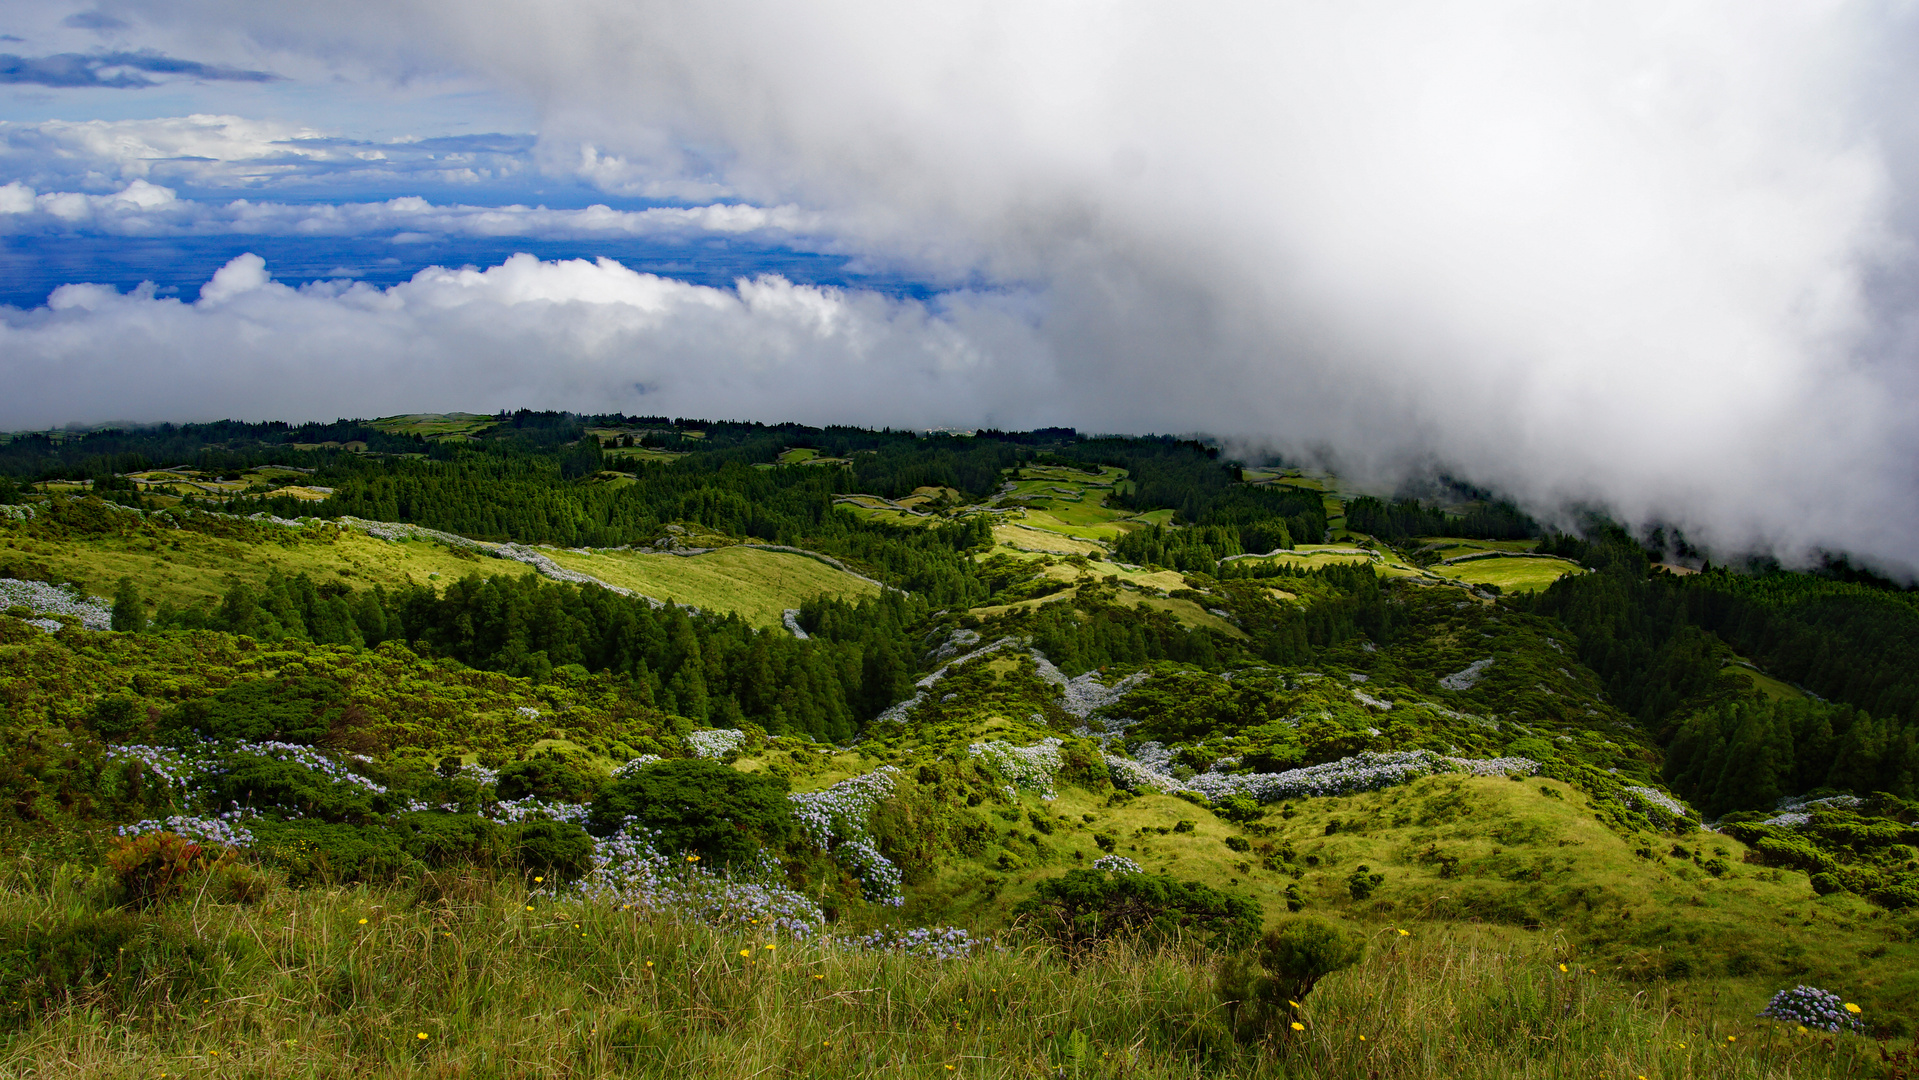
x=225, y=151
x=146, y=209
x=1648, y=254
x=570, y=334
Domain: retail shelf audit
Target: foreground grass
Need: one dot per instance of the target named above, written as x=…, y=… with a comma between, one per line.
x=464, y=976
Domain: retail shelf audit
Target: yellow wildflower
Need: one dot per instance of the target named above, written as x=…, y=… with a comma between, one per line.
x=1297, y=1026
x=421, y=1036
x=362, y=922
x=537, y=880
x=1562, y=967
x=1405, y=933
x=1853, y=1009
x=746, y=952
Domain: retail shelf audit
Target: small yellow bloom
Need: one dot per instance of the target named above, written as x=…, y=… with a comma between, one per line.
x=1562, y=967
x=826, y=1042
x=362, y=922
x=1853, y=1009
x=746, y=952
x=1293, y=1003
x=1732, y=1038
x=819, y=976
x=421, y=1036
x=692, y=858
x=1362, y=1038
x=1405, y=933
x=769, y=948
x=1297, y=1026
x=529, y=907
x=1802, y=1029
x=649, y=963
x=537, y=880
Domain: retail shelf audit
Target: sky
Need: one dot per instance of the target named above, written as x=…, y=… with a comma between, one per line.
x=1650, y=257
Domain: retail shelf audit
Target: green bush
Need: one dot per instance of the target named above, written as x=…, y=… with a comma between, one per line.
x=1363, y=881
x=545, y=778
x=287, y=787
x=555, y=849
x=1239, y=808
x=301, y=709
x=118, y=715
x=438, y=838
x=106, y=957
x=1264, y=990
x=698, y=806
x=1086, y=907
x=330, y=851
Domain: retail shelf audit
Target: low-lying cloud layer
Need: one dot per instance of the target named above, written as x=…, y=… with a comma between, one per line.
x=1649, y=256
x=144, y=209
x=525, y=333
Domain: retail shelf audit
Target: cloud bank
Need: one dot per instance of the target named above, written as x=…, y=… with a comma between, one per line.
x=144, y=209
x=524, y=333
x=1652, y=256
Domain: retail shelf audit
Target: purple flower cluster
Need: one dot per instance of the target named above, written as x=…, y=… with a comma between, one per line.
x=224, y=829
x=713, y=742
x=1365, y=771
x=1030, y=767
x=922, y=943
x=534, y=808
x=1819, y=1009
x=835, y=820
x=1658, y=800
x=629, y=869
x=1117, y=864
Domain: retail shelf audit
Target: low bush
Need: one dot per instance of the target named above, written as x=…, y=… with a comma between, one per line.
x=1086, y=907
x=700, y=806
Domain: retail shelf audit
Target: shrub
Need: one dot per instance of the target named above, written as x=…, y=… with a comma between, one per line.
x=112, y=954
x=544, y=778
x=700, y=806
x=158, y=866
x=1239, y=808
x=1363, y=881
x=1239, y=844
x=438, y=838
x=118, y=714
x=330, y=851
x=1083, y=908
x=556, y=849
x=302, y=709
x=1266, y=987
x=1827, y=884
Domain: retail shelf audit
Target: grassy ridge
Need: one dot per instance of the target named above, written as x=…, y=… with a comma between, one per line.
x=756, y=585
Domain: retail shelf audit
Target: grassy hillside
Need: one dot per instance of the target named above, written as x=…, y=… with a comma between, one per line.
x=756, y=585
x=432, y=791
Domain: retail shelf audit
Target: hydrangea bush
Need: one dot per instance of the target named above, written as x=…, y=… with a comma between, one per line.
x=628, y=869
x=836, y=820
x=1032, y=767
x=1366, y=771
x=1809, y=1006
x=714, y=742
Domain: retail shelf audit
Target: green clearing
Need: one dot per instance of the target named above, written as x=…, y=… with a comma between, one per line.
x=642, y=453
x=436, y=425
x=189, y=568
x=759, y=586
x=1774, y=689
x=1037, y=538
x=1448, y=546
x=1511, y=575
